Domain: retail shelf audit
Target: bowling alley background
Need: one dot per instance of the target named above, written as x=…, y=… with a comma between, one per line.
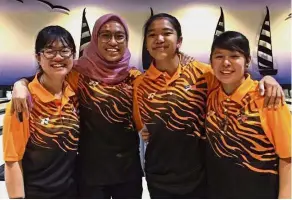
x=266, y=23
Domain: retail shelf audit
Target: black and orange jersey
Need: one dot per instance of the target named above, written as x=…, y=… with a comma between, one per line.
x=45, y=142
x=173, y=110
x=245, y=142
x=109, y=142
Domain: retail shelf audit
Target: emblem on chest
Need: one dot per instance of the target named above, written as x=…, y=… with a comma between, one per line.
x=93, y=83
x=45, y=121
x=190, y=87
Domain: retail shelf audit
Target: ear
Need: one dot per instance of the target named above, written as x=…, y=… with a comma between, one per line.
x=248, y=61
x=179, y=42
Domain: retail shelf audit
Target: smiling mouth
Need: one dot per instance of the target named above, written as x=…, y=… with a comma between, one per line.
x=160, y=48
x=226, y=72
x=111, y=50
x=58, y=66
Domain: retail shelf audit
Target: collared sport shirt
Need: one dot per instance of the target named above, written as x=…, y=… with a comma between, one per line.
x=245, y=142
x=109, y=141
x=45, y=142
x=173, y=110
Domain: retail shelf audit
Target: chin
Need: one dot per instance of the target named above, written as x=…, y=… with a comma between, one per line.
x=160, y=57
x=225, y=80
x=61, y=73
x=113, y=59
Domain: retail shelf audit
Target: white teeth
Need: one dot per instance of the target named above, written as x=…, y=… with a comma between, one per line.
x=112, y=50
x=58, y=65
x=226, y=72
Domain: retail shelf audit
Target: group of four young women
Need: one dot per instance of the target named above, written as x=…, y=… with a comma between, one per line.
x=208, y=131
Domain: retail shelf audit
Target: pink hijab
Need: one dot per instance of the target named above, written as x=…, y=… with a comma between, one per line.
x=93, y=65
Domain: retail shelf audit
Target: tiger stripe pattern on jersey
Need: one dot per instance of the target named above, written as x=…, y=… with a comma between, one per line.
x=235, y=132
x=113, y=102
x=53, y=127
x=180, y=105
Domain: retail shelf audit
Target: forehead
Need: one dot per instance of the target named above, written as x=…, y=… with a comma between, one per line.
x=160, y=24
x=112, y=26
x=224, y=51
x=57, y=43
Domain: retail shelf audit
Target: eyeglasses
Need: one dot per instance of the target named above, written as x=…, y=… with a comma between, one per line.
x=52, y=53
x=107, y=36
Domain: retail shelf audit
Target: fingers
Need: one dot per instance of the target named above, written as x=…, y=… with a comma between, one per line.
x=12, y=110
x=277, y=99
x=145, y=138
x=272, y=97
x=268, y=94
x=145, y=135
x=17, y=105
x=261, y=88
x=283, y=97
x=189, y=60
x=25, y=107
x=280, y=97
x=20, y=117
x=29, y=103
x=21, y=99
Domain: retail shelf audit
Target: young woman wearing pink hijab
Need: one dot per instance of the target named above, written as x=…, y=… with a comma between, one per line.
x=109, y=162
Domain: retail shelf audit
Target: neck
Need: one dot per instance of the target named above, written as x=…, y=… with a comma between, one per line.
x=53, y=85
x=231, y=87
x=168, y=65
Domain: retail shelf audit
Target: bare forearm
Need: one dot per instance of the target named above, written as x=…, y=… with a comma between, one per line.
x=285, y=178
x=14, y=179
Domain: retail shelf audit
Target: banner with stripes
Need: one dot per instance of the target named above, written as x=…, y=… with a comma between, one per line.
x=146, y=58
x=220, y=28
x=264, y=53
x=85, y=34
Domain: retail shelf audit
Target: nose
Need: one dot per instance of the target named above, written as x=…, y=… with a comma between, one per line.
x=113, y=41
x=226, y=62
x=58, y=57
x=160, y=39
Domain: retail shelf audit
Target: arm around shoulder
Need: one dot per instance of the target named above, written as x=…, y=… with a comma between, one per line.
x=136, y=112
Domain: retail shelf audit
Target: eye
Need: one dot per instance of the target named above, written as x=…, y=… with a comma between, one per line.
x=167, y=33
x=151, y=35
x=235, y=56
x=120, y=36
x=48, y=51
x=218, y=56
x=105, y=35
x=67, y=50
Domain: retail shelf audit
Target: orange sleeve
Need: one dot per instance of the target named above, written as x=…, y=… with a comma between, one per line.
x=208, y=74
x=15, y=136
x=72, y=78
x=136, y=112
x=135, y=72
x=277, y=126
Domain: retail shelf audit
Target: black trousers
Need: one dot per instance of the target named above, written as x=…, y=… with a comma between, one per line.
x=35, y=193
x=156, y=193
x=127, y=190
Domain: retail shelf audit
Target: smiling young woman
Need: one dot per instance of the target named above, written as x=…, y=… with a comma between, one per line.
x=48, y=137
x=170, y=100
x=249, y=147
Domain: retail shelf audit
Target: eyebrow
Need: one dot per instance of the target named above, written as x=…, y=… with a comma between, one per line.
x=107, y=31
x=164, y=29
